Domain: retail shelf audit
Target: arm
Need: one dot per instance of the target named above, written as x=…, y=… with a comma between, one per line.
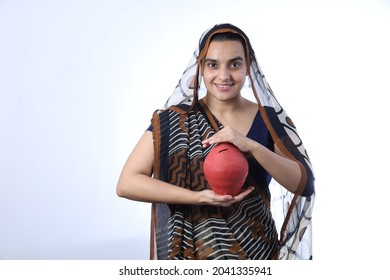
x=284, y=170
x=136, y=183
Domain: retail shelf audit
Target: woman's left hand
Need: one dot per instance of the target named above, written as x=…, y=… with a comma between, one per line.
x=228, y=134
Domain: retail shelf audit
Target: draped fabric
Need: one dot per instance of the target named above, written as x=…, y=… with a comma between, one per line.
x=256, y=228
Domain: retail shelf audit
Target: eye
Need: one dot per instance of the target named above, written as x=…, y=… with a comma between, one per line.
x=212, y=65
x=235, y=65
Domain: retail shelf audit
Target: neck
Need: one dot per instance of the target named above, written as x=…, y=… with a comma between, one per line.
x=224, y=107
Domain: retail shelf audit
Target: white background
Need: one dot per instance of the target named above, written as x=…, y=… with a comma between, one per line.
x=79, y=81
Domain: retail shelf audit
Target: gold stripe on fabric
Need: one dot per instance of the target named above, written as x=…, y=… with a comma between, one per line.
x=209, y=115
x=156, y=143
x=153, y=220
x=156, y=171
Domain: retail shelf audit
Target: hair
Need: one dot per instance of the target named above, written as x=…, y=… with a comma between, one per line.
x=229, y=36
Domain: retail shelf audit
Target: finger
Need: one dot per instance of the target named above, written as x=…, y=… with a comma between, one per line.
x=229, y=200
x=224, y=198
x=211, y=142
x=244, y=193
x=206, y=142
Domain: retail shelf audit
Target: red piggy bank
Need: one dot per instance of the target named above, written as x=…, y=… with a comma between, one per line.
x=226, y=169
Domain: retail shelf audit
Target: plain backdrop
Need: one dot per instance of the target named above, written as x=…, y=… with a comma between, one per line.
x=79, y=81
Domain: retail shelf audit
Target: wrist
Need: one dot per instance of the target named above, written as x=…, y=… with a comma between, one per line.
x=199, y=198
x=253, y=146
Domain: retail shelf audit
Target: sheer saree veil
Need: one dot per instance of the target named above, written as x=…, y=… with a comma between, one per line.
x=292, y=212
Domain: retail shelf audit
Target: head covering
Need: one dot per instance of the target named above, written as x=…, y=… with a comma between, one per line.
x=292, y=212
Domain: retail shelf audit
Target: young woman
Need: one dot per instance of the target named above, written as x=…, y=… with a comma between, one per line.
x=189, y=220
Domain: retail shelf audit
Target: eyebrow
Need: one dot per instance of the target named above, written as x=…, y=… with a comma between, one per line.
x=238, y=58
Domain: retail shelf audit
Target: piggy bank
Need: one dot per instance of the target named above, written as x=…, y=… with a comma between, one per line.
x=225, y=169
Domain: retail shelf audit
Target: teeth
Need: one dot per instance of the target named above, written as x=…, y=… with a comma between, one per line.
x=223, y=86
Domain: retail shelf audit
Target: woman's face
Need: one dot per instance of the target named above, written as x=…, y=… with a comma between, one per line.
x=224, y=69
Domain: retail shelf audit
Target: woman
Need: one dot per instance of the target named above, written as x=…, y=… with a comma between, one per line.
x=189, y=220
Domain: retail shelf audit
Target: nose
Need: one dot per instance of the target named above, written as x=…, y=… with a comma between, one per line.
x=224, y=74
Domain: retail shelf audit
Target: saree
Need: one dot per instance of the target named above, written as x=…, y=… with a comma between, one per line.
x=271, y=222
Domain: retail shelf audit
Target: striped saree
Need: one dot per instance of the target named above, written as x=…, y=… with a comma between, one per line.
x=255, y=228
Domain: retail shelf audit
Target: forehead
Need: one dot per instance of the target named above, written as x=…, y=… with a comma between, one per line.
x=225, y=50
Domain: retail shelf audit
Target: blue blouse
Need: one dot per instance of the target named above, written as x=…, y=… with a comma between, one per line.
x=259, y=133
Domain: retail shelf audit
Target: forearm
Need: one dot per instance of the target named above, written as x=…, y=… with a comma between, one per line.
x=146, y=189
x=143, y=188
x=285, y=171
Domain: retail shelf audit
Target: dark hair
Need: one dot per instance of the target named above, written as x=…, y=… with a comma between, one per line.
x=229, y=36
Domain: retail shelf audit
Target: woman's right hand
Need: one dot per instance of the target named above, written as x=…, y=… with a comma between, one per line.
x=209, y=197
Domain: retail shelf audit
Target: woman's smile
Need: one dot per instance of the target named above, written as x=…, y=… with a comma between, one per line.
x=224, y=87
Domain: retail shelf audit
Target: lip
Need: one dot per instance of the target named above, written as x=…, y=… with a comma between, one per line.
x=223, y=87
